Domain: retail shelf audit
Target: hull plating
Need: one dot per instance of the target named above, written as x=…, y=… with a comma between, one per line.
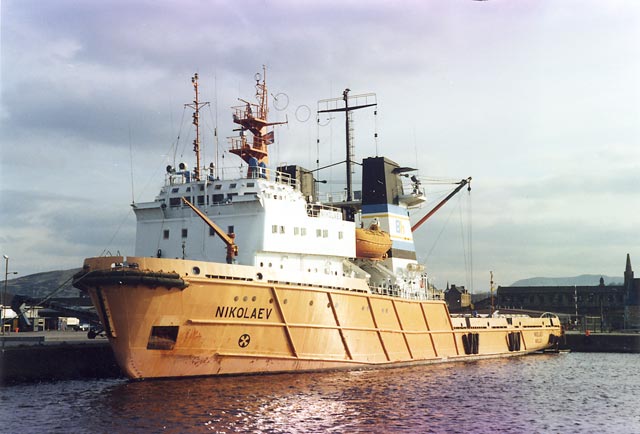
x=232, y=319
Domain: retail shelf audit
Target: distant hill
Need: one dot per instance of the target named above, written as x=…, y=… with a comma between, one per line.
x=40, y=285
x=582, y=280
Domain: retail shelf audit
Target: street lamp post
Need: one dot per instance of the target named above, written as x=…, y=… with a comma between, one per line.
x=4, y=292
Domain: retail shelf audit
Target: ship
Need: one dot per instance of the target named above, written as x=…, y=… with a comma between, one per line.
x=252, y=273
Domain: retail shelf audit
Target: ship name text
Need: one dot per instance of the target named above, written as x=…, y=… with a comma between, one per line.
x=243, y=312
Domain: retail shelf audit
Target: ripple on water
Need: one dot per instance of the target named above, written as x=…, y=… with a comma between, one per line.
x=568, y=393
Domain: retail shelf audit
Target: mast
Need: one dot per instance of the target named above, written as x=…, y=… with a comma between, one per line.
x=347, y=109
x=348, y=161
x=196, y=122
x=253, y=118
x=491, y=288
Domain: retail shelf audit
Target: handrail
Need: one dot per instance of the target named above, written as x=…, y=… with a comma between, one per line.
x=237, y=173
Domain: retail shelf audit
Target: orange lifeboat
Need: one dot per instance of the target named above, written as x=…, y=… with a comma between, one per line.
x=372, y=243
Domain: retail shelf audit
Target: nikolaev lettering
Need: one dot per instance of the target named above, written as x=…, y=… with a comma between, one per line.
x=243, y=312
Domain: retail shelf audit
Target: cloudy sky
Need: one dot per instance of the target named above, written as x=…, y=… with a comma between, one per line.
x=537, y=100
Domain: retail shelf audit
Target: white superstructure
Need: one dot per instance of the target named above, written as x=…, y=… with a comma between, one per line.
x=274, y=226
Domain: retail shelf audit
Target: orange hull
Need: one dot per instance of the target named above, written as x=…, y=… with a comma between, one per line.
x=230, y=320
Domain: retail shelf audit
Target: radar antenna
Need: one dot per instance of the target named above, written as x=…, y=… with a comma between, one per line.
x=366, y=102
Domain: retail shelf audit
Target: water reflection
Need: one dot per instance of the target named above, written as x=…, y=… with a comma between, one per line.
x=558, y=393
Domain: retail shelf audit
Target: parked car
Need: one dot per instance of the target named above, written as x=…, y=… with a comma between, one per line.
x=81, y=327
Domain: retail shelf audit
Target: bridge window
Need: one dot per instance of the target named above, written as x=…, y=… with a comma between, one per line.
x=217, y=187
x=184, y=233
x=217, y=198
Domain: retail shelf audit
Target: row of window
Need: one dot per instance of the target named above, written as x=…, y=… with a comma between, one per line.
x=185, y=232
x=215, y=187
x=300, y=231
x=275, y=229
x=216, y=199
x=564, y=298
x=201, y=200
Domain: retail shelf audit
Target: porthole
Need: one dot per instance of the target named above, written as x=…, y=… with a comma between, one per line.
x=284, y=301
x=245, y=298
x=253, y=298
x=311, y=303
x=235, y=298
x=259, y=275
x=196, y=270
x=271, y=301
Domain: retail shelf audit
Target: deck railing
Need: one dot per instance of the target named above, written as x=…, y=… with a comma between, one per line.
x=230, y=174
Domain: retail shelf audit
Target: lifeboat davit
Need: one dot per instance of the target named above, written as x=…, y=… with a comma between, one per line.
x=372, y=243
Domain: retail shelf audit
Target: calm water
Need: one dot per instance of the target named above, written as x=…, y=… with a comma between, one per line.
x=565, y=393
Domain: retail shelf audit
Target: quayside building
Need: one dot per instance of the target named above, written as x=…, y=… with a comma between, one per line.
x=608, y=307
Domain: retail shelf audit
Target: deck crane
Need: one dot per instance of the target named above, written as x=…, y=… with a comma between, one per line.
x=461, y=184
x=232, y=248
